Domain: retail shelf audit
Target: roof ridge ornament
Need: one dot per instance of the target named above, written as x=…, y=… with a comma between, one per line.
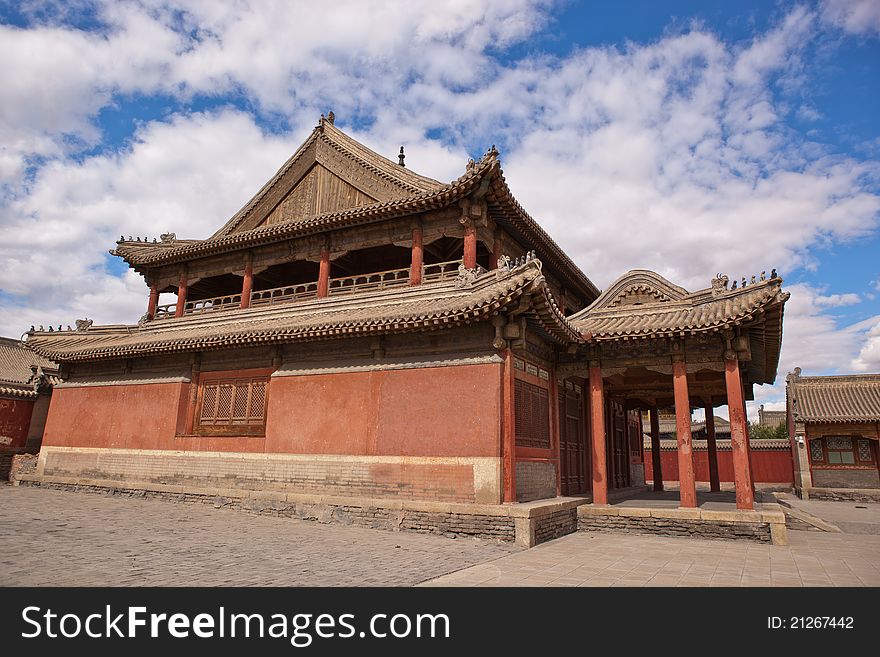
x=401, y=157
x=83, y=324
x=719, y=284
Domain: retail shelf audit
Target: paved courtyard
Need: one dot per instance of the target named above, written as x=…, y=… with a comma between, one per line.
x=60, y=538
x=64, y=538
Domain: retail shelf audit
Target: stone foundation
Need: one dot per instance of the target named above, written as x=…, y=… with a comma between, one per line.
x=525, y=525
x=22, y=464
x=447, y=479
x=766, y=526
x=535, y=480
x=840, y=494
x=556, y=524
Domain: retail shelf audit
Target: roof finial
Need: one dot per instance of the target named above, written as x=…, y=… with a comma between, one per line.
x=331, y=117
x=400, y=157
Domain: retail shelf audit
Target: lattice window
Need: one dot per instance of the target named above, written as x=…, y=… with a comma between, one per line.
x=840, y=450
x=233, y=403
x=865, y=453
x=817, y=454
x=532, y=415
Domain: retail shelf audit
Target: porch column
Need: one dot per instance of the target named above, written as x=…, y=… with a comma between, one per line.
x=712, y=450
x=656, y=461
x=508, y=438
x=418, y=257
x=742, y=476
x=688, y=488
x=324, y=274
x=153, y=302
x=181, y=295
x=496, y=252
x=470, y=245
x=597, y=441
x=247, y=283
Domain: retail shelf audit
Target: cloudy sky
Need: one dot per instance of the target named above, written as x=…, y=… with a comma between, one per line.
x=688, y=137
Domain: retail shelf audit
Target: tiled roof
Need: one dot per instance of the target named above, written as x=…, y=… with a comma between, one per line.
x=16, y=375
x=669, y=309
x=668, y=425
x=642, y=304
x=417, y=308
x=142, y=253
x=853, y=398
x=416, y=194
x=722, y=444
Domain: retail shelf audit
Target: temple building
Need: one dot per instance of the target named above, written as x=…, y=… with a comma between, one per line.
x=358, y=330
x=834, y=427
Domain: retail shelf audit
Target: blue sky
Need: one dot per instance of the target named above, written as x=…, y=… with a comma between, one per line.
x=689, y=137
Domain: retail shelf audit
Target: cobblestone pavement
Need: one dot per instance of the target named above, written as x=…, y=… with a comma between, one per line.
x=80, y=539
x=599, y=559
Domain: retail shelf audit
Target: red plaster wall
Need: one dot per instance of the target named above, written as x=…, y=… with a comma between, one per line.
x=128, y=417
x=769, y=466
x=438, y=411
x=15, y=419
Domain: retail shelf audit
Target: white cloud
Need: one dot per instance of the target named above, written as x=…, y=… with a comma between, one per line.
x=855, y=16
x=186, y=175
x=835, y=300
x=868, y=359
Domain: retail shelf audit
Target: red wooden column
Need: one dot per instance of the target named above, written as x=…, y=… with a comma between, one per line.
x=742, y=475
x=688, y=494
x=712, y=450
x=496, y=252
x=470, y=245
x=153, y=302
x=418, y=257
x=181, y=295
x=324, y=273
x=597, y=441
x=508, y=437
x=247, y=284
x=656, y=461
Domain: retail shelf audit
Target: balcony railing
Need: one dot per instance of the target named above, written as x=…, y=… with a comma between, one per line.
x=298, y=292
x=440, y=271
x=225, y=302
x=380, y=280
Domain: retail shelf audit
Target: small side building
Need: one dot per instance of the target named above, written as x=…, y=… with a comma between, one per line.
x=26, y=381
x=834, y=428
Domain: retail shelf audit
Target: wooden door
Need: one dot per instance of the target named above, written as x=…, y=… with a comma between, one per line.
x=618, y=453
x=572, y=439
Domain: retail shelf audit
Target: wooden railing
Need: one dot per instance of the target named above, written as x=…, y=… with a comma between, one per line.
x=380, y=280
x=298, y=292
x=225, y=302
x=440, y=271
x=165, y=310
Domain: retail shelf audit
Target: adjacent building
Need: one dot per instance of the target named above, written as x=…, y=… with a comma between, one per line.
x=834, y=426
x=359, y=330
x=26, y=381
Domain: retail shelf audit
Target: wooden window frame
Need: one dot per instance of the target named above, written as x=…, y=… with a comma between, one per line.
x=826, y=463
x=539, y=376
x=232, y=428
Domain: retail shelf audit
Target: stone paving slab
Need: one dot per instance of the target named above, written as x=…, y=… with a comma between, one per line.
x=60, y=538
x=849, y=517
x=594, y=559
